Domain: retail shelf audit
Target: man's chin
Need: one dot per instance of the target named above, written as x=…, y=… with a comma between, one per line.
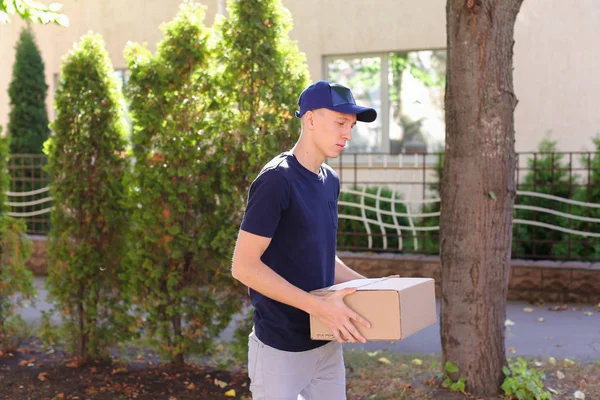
x=335, y=153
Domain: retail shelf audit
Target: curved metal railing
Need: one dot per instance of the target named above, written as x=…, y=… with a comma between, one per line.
x=413, y=227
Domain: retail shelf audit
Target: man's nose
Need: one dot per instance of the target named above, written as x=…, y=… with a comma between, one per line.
x=347, y=135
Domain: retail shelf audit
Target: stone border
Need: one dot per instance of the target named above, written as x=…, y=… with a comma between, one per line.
x=533, y=281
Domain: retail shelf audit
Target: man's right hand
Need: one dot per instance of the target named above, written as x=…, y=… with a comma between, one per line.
x=338, y=317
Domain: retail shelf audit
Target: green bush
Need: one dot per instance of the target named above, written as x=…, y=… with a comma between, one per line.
x=522, y=383
x=453, y=385
x=352, y=233
x=86, y=163
x=15, y=279
x=548, y=174
x=430, y=241
x=180, y=273
x=588, y=247
x=15, y=249
x=4, y=175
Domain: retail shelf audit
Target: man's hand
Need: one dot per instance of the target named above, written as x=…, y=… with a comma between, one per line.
x=334, y=313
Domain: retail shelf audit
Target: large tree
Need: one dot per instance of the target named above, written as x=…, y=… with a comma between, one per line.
x=479, y=188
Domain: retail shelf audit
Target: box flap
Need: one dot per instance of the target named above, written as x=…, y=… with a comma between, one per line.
x=386, y=283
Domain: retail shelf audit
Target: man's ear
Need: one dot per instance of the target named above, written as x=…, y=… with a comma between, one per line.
x=309, y=121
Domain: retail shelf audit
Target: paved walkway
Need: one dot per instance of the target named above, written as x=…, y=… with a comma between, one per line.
x=573, y=333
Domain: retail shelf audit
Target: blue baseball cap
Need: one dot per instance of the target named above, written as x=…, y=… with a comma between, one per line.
x=333, y=96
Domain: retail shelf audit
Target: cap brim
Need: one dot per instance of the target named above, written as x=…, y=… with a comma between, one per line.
x=363, y=114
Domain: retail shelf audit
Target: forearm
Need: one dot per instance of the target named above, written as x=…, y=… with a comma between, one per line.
x=344, y=273
x=267, y=282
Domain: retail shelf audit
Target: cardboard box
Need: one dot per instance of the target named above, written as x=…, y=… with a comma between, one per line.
x=395, y=307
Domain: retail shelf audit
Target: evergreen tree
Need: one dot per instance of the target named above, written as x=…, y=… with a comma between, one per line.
x=86, y=163
x=180, y=279
x=28, y=119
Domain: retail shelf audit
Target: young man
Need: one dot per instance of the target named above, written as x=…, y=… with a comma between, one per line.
x=287, y=247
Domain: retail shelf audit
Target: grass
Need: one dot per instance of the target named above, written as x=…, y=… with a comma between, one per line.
x=384, y=375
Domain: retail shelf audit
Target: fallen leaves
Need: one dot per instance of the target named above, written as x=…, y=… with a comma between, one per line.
x=119, y=370
x=28, y=363
x=579, y=395
x=43, y=376
x=220, y=383
x=384, y=360
x=528, y=309
x=564, y=307
x=560, y=374
x=75, y=363
x=230, y=393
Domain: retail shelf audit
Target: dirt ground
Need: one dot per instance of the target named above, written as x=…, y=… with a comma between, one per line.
x=31, y=373
x=35, y=373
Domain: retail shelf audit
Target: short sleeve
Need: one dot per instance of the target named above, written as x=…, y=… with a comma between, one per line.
x=267, y=199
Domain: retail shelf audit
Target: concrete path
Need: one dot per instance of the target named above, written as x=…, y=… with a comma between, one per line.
x=573, y=333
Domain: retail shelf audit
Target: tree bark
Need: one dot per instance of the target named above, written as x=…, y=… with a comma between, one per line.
x=178, y=359
x=478, y=189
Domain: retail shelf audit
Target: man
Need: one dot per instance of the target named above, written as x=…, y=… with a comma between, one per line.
x=287, y=247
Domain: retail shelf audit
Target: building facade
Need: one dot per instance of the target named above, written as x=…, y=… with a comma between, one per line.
x=556, y=61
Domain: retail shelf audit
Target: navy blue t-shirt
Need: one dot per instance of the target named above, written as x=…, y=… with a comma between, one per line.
x=297, y=209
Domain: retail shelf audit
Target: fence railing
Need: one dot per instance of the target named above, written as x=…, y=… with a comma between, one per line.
x=391, y=203
x=29, y=196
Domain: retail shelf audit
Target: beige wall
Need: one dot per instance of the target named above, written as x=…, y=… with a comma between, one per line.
x=357, y=26
x=557, y=79
x=117, y=21
x=557, y=57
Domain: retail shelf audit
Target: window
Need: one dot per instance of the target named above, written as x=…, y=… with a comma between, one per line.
x=406, y=89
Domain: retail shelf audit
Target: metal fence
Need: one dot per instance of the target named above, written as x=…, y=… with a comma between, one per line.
x=390, y=203
x=29, y=196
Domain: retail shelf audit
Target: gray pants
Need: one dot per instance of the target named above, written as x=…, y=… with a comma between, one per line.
x=317, y=374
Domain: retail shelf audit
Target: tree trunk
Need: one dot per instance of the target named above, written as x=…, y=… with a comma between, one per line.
x=82, y=333
x=178, y=360
x=478, y=189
